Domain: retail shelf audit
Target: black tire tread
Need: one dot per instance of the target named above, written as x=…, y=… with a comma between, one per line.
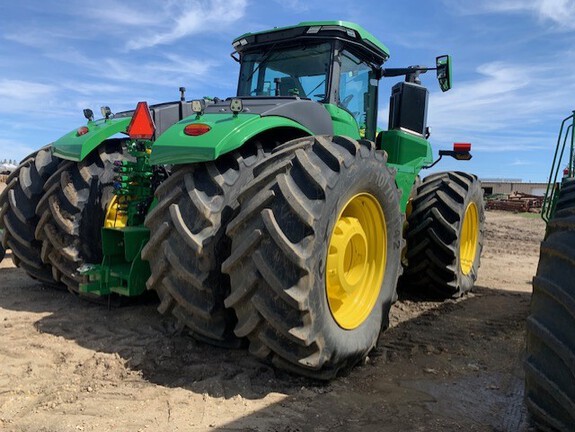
x=271, y=290
x=432, y=234
x=550, y=360
x=18, y=201
x=71, y=212
x=194, y=206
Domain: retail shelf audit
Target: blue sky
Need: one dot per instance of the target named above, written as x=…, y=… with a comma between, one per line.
x=514, y=75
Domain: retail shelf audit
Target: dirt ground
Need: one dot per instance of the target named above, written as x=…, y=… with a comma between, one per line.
x=67, y=365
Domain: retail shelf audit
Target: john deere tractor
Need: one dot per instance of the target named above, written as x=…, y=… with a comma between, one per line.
x=275, y=218
x=550, y=361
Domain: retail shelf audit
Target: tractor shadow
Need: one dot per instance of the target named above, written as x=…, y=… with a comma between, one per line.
x=425, y=339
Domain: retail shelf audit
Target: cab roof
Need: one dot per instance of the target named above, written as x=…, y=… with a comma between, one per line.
x=343, y=30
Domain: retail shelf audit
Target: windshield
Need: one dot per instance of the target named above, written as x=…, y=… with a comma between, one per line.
x=295, y=71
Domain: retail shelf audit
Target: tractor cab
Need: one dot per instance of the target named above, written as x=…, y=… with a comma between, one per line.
x=338, y=64
x=335, y=63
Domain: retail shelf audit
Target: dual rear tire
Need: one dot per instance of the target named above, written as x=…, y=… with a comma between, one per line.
x=18, y=218
x=315, y=255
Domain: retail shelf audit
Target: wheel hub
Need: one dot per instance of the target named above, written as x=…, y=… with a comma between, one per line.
x=349, y=251
x=355, y=262
x=469, y=238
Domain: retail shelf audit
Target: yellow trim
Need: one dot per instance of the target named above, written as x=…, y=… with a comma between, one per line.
x=355, y=263
x=114, y=217
x=469, y=238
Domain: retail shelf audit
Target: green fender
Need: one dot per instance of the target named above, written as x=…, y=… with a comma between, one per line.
x=228, y=132
x=76, y=147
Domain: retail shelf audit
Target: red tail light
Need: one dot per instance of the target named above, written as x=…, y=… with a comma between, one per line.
x=565, y=172
x=82, y=131
x=196, y=129
x=461, y=147
x=142, y=125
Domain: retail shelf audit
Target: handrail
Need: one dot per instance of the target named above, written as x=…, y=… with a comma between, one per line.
x=551, y=192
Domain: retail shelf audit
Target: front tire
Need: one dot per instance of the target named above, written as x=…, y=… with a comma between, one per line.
x=550, y=361
x=445, y=235
x=316, y=255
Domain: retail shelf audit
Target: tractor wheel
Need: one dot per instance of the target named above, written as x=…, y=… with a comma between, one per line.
x=316, y=255
x=24, y=189
x=550, y=361
x=72, y=212
x=445, y=235
x=188, y=242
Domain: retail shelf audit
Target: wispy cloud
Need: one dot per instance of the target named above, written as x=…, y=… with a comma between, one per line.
x=559, y=12
x=294, y=5
x=186, y=18
x=509, y=101
x=521, y=162
x=24, y=90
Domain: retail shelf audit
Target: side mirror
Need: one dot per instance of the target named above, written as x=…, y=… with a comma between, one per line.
x=443, y=64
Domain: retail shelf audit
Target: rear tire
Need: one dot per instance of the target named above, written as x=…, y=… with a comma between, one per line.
x=72, y=212
x=24, y=189
x=550, y=361
x=283, y=240
x=445, y=235
x=188, y=242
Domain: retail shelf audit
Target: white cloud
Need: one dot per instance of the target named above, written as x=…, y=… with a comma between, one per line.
x=507, y=107
x=15, y=90
x=559, y=12
x=294, y=5
x=186, y=18
x=521, y=162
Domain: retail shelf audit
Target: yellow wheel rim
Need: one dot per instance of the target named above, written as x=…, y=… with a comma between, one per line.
x=114, y=217
x=355, y=263
x=469, y=238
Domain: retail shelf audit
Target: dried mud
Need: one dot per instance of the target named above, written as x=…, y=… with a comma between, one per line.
x=68, y=365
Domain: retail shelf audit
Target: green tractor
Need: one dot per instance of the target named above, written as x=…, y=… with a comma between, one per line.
x=550, y=360
x=276, y=218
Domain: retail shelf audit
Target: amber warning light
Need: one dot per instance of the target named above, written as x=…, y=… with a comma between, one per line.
x=142, y=125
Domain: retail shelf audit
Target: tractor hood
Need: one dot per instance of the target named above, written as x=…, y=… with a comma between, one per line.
x=228, y=131
x=77, y=144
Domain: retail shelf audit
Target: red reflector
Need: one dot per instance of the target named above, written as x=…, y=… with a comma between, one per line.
x=461, y=147
x=82, y=131
x=196, y=129
x=566, y=172
x=142, y=125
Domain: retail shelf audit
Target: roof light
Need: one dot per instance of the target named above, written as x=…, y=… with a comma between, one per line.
x=82, y=131
x=350, y=32
x=236, y=44
x=313, y=30
x=243, y=42
x=198, y=106
x=236, y=106
x=142, y=125
x=196, y=129
x=461, y=147
x=89, y=114
x=106, y=112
